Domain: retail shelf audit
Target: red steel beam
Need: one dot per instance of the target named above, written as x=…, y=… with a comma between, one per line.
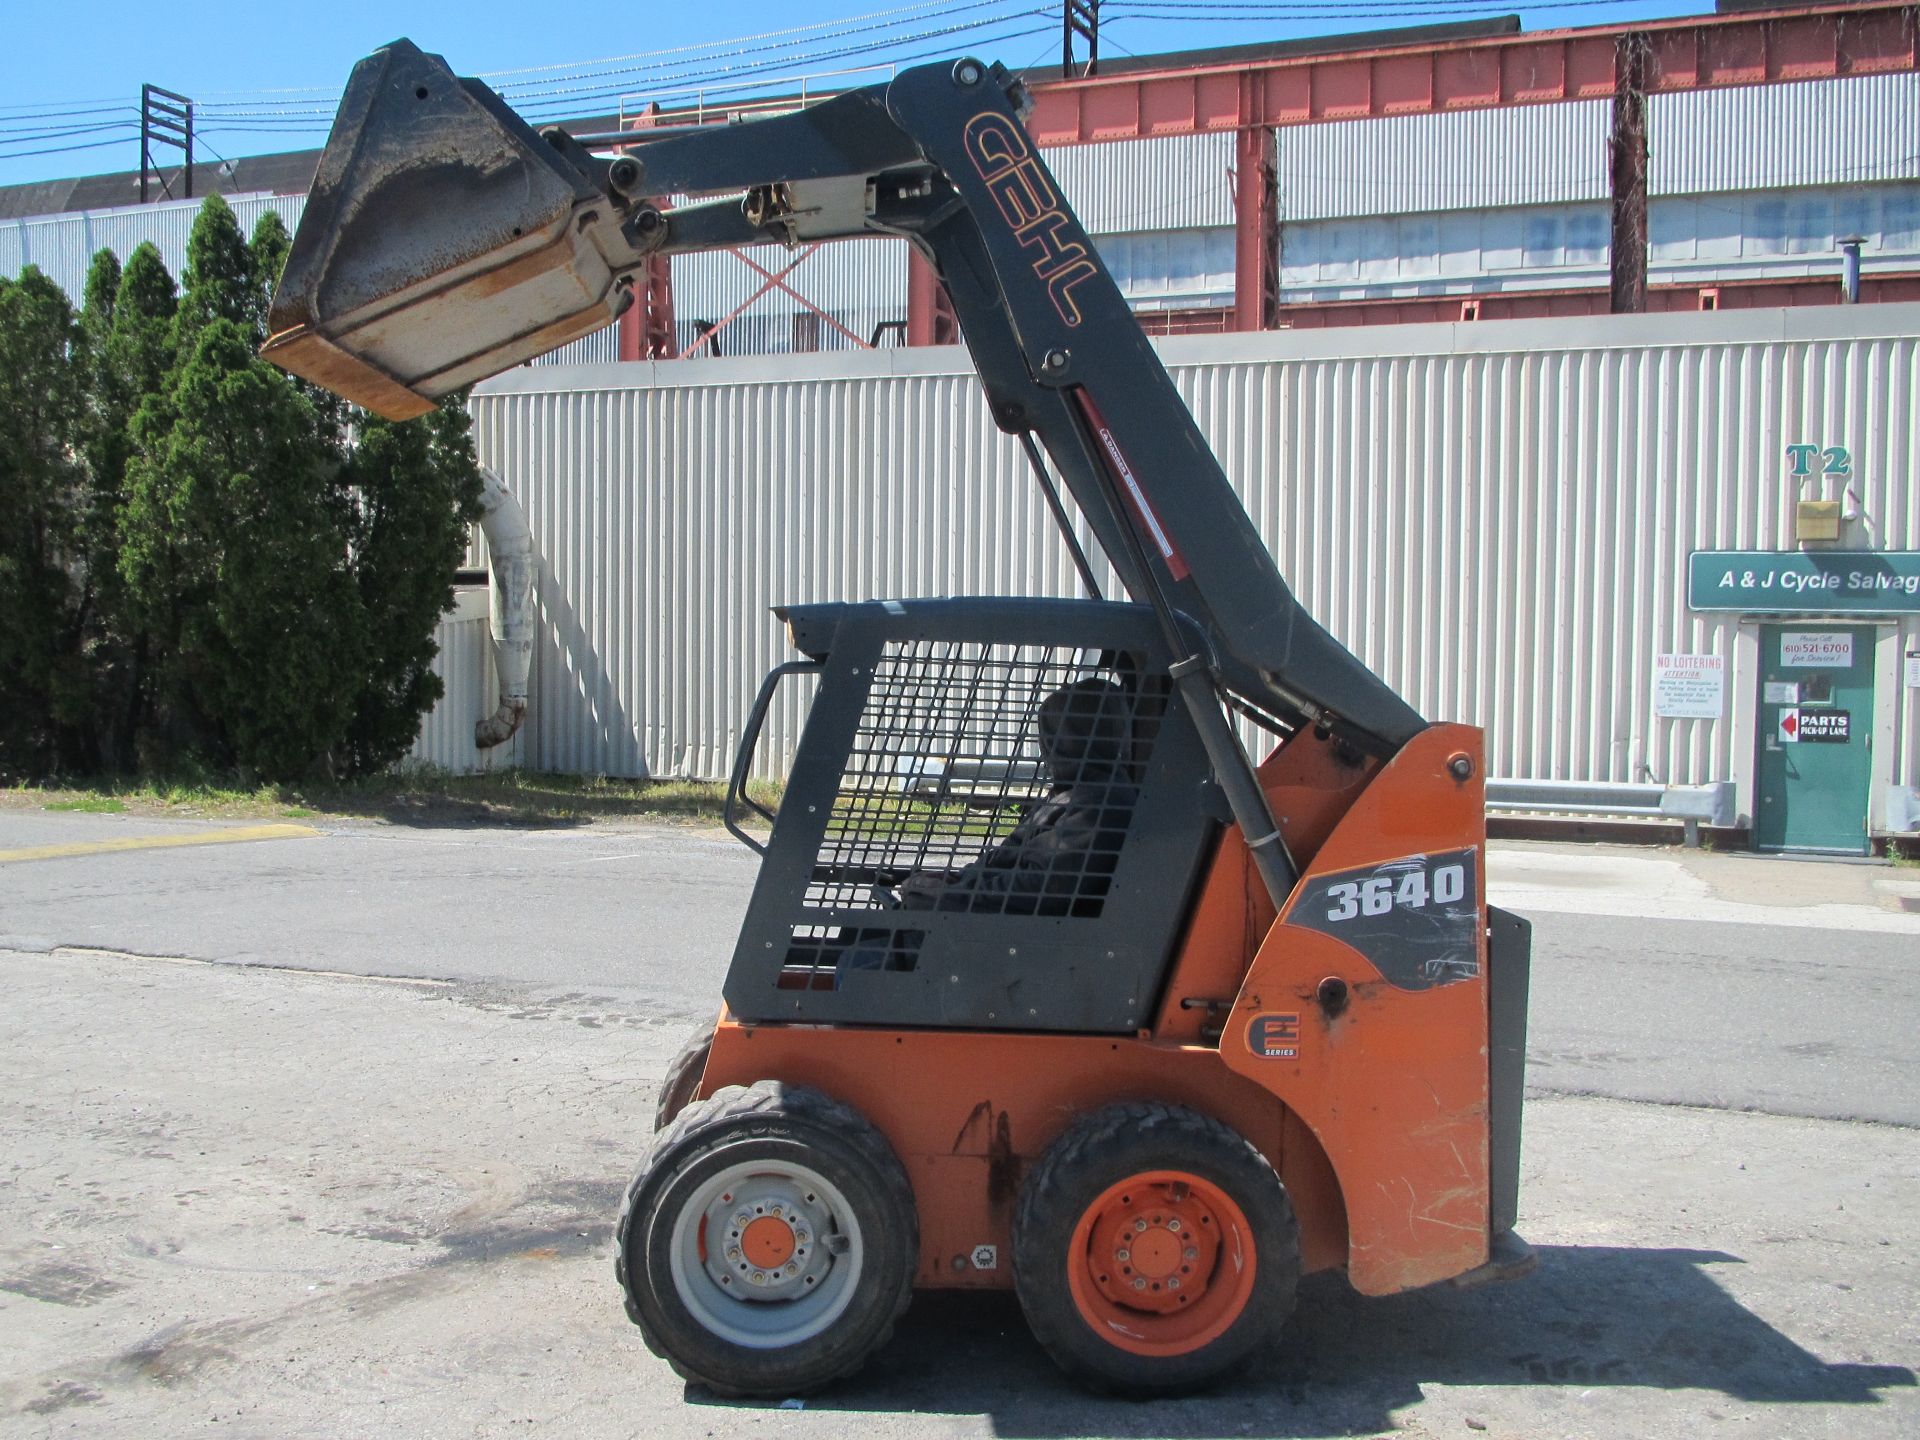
x=1821, y=42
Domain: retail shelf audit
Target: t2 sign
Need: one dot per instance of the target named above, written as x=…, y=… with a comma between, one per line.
x=1805, y=460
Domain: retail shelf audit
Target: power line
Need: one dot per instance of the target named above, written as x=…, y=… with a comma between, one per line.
x=64, y=149
x=710, y=54
x=733, y=76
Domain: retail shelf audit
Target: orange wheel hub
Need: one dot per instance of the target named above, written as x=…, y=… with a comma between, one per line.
x=768, y=1242
x=1161, y=1263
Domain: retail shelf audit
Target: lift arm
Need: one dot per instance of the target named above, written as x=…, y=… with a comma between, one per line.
x=445, y=241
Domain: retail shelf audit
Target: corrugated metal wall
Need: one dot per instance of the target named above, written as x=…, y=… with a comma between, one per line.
x=1496, y=516
x=1174, y=182
x=861, y=283
x=465, y=667
x=1770, y=137
x=1410, y=164
x=1760, y=137
x=64, y=245
x=1525, y=247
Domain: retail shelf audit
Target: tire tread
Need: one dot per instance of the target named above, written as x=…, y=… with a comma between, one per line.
x=771, y=1099
x=1125, y=1131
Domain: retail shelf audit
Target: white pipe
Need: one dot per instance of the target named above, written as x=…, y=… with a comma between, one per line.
x=510, y=553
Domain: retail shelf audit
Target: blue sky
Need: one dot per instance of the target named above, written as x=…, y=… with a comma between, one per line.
x=266, y=75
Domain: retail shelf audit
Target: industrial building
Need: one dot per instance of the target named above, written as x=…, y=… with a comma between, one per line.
x=1526, y=351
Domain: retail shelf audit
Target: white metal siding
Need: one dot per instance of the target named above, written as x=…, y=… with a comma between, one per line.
x=64, y=245
x=601, y=346
x=1781, y=234
x=859, y=282
x=1692, y=240
x=1770, y=137
x=1462, y=160
x=1760, y=137
x=1468, y=251
x=465, y=666
x=1496, y=516
x=1172, y=182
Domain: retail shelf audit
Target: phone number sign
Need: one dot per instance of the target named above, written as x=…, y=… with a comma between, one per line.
x=1795, y=582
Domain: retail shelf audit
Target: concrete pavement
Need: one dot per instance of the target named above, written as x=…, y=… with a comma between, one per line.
x=275, y=1204
x=323, y=1136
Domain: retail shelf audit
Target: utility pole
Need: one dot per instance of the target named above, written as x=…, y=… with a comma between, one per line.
x=165, y=119
x=1082, y=18
x=1627, y=166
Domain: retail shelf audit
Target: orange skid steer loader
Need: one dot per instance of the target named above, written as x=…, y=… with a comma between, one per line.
x=1044, y=983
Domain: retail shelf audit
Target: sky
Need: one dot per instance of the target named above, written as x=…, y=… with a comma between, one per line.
x=266, y=74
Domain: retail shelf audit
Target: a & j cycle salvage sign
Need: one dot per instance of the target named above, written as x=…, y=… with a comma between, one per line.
x=1794, y=582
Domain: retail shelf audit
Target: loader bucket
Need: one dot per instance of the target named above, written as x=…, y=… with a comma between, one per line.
x=443, y=242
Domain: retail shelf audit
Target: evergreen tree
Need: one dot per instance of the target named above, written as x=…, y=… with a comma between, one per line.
x=284, y=570
x=219, y=282
x=42, y=498
x=416, y=494
x=102, y=293
x=266, y=257
x=288, y=574
x=128, y=368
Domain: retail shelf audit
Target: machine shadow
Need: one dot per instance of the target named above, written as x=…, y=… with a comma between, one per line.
x=1590, y=1316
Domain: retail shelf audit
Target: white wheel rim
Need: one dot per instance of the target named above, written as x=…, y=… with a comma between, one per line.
x=787, y=1304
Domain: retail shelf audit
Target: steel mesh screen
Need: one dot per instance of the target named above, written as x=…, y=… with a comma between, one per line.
x=981, y=779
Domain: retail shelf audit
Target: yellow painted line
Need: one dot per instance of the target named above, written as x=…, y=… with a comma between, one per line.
x=230, y=835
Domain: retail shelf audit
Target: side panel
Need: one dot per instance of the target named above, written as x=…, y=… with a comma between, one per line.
x=1509, y=972
x=1366, y=1012
x=969, y=1112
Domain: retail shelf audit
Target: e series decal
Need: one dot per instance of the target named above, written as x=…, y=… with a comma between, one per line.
x=1274, y=1037
x=1416, y=919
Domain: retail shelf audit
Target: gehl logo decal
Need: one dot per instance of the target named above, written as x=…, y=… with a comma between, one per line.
x=1029, y=204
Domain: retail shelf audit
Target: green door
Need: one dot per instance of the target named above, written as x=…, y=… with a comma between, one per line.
x=1815, y=762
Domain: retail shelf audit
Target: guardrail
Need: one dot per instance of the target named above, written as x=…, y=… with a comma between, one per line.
x=1690, y=804
x=991, y=781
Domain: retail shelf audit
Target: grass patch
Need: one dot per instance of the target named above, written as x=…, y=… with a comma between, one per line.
x=412, y=796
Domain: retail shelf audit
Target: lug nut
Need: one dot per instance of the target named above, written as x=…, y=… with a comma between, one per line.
x=1174, y=1225
x=1138, y=1283
x=1123, y=1255
x=1139, y=1227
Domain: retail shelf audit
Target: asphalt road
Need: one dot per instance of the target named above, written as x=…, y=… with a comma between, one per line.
x=1786, y=1018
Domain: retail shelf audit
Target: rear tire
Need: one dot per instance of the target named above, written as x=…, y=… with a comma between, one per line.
x=1155, y=1250
x=768, y=1244
x=684, y=1073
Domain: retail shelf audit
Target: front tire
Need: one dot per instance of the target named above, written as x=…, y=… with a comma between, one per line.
x=1155, y=1250
x=768, y=1244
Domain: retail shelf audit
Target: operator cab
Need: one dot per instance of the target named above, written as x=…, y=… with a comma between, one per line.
x=995, y=819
